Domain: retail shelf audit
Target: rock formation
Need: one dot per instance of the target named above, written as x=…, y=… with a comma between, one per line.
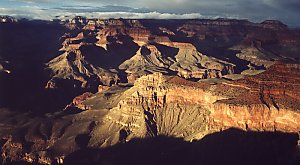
x=4, y=65
x=7, y=19
x=144, y=79
x=160, y=105
x=74, y=64
x=138, y=49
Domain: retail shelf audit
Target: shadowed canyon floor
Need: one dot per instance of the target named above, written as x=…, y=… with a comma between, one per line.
x=231, y=146
x=92, y=91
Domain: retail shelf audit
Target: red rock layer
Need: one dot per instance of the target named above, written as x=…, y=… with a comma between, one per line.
x=268, y=101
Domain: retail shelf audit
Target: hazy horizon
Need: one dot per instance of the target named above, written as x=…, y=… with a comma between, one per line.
x=255, y=10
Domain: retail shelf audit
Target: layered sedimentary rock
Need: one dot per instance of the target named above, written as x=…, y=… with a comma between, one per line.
x=78, y=102
x=160, y=105
x=146, y=78
x=195, y=49
x=76, y=64
x=155, y=53
x=192, y=64
x=195, y=109
x=270, y=101
x=156, y=102
x=152, y=108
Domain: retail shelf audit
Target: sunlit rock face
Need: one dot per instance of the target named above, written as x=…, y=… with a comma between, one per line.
x=153, y=108
x=161, y=105
x=183, y=79
x=136, y=50
x=118, y=50
x=174, y=107
x=271, y=102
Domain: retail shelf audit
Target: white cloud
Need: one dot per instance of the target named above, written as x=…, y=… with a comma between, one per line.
x=150, y=15
x=255, y=10
x=35, y=12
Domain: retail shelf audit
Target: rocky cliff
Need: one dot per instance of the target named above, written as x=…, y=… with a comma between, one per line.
x=171, y=106
x=145, y=79
x=143, y=52
x=271, y=102
x=160, y=105
x=193, y=50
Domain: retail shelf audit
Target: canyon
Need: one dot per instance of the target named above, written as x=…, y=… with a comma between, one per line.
x=100, y=89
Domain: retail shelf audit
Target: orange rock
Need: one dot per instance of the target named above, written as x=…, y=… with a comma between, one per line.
x=102, y=88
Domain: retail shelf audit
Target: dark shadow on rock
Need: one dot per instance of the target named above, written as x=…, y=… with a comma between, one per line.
x=167, y=51
x=232, y=146
x=118, y=50
x=154, y=24
x=222, y=52
x=82, y=140
x=217, y=44
x=27, y=46
x=122, y=49
x=95, y=55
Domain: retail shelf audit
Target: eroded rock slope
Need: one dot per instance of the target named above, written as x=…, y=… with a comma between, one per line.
x=159, y=105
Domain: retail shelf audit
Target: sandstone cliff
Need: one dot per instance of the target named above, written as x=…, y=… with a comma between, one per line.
x=145, y=78
x=124, y=50
x=136, y=49
x=160, y=105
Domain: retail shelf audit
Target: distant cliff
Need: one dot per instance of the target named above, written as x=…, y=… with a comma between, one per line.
x=92, y=84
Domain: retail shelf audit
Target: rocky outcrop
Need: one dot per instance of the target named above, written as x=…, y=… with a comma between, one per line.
x=171, y=106
x=274, y=25
x=75, y=65
x=13, y=151
x=140, y=49
x=255, y=56
x=183, y=59
x=155, y=54
x=271, y=103
x=134, y=80
x=161, y=105
x=78, y=102
x=7, y=19
x=4, y=66
x=192, y=64
x=157, y=102
x=152, y=108
x=254, y=117
x=72, y=65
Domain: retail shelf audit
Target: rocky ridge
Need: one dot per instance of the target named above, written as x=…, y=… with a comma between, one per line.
x=142, y=79
x=150, y=52
x=172, y=106
x=7, y=19
x=160, y=105
x=187, y=50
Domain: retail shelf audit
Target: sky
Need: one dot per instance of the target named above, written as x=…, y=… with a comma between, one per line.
x=287, y=11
